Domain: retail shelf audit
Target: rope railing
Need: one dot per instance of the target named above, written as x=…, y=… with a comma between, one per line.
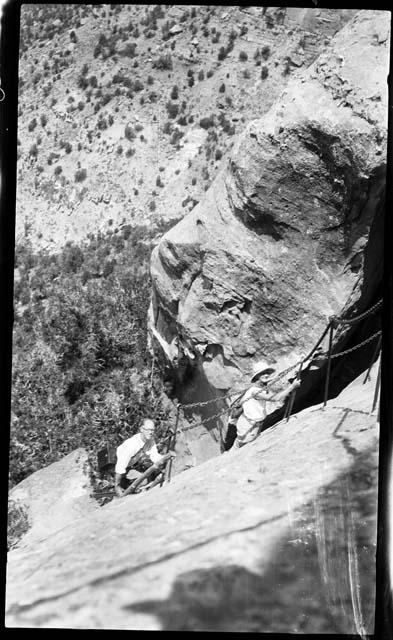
x=361, y=316
x=333, y=323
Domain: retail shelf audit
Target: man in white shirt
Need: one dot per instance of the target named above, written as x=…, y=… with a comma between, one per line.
x=132, y=450
x=256, y=403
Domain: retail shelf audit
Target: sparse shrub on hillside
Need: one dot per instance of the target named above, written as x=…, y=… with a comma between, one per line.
x=101, y=123
x=67, y=147
x=129, y=50
x=129, y=132
x=80, y=175
x=222, y=88
x=52, y=156
x=233, y=35
x=153, y=96
x=265, y=52
x=193, y=12
x=182, y=121
x=201, y=75
x=32, y=124
x=243, y=56
x=163, y=62
x=93, y=81
x=58, y=170
x=172, y=109
x=191, y=81
x=138, y=86
x=152, y=206
x=81, y=105
x=119, y=150
x=210, y=73
x=130, y=152
x=159, y=182
x=33, y=151
x=43, y=120
x=82, y=82
x=269, y=21
x=167, y=128
x=150, y=80
x=216, y=37
x=207, y=122
x=205, y=32
x=175, y=92
x=264, y=73
x=222, y=54
x=176, y=136
x=218, y=154
x=246, y=74
x=194, y=181
x=287, y=67
x=40, y=169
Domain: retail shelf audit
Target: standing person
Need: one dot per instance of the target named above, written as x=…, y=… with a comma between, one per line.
x=255, y=404
x=132, y=450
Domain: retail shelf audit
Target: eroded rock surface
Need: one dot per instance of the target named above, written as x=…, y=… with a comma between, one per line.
x=55, y=496
x=290, y=232
x=272, y=537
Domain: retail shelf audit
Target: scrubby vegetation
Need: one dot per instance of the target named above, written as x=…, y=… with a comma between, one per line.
x=82, y=373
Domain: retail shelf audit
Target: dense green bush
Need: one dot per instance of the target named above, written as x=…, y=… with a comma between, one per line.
x=82, y=373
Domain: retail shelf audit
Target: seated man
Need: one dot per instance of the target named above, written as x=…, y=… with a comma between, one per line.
x=132, y=450
x=255, y=403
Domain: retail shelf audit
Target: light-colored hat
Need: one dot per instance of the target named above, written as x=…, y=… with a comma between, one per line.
x=259, y=368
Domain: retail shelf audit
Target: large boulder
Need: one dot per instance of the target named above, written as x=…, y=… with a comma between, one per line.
x=53, y=497
x=290, y=232
x=269, y=538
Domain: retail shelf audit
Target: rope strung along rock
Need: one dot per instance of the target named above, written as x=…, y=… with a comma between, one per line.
x=362, y=315
x=334, y=322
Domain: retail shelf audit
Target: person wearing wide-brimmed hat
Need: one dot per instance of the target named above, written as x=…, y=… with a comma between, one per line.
x=255, y=404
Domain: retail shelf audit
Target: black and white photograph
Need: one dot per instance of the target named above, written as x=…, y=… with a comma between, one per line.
x=197, y=384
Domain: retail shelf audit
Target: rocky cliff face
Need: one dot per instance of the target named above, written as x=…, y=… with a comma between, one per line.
x=278, y=536
x=290, y=232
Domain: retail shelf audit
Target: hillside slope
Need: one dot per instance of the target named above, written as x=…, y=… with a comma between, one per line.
x=125, y=111
x=272, y=537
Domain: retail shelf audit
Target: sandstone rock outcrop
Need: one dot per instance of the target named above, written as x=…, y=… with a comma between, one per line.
x=290, y=232
x=278, y=536
x=55, y=496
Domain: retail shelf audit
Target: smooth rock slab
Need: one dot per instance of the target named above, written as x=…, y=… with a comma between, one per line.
x=272, y=537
